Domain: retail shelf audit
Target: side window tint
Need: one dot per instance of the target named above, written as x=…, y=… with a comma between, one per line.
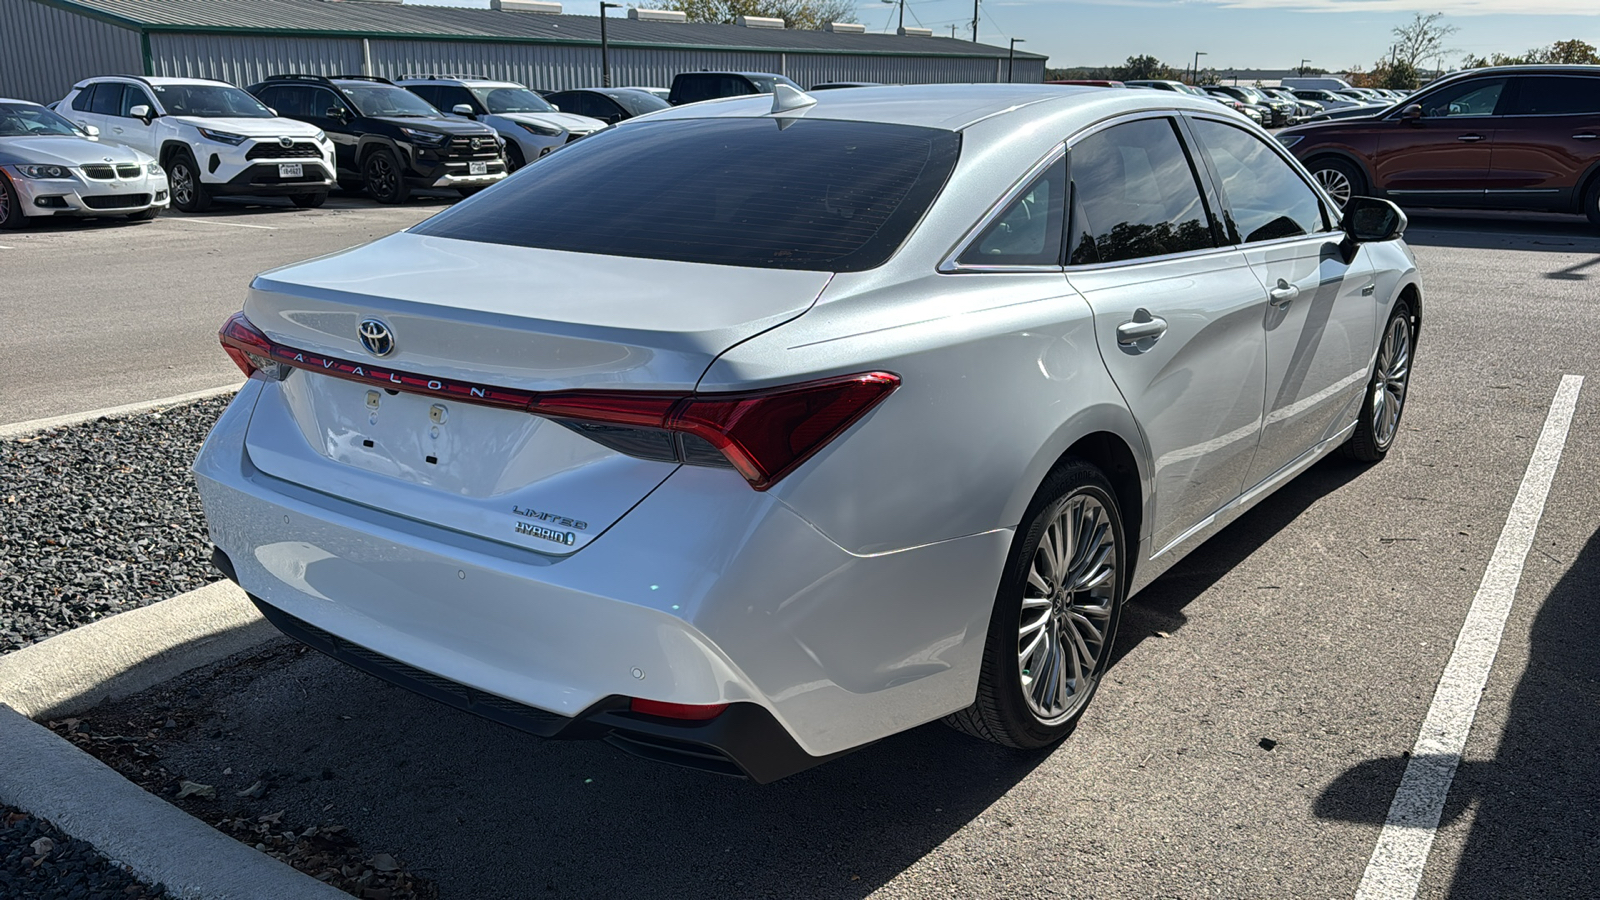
x=320, y=100
x=85, y=98
x=450, y=96
x=1473, y=98
x=427, y=92
x=107, y=99
x=1028, y=231
x=131, y=97
x=1266, y=199
x=1135, y=195
x=1557, y=95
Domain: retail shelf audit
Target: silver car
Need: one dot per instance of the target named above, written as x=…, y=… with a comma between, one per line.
x=753, y=431
x=50, y=167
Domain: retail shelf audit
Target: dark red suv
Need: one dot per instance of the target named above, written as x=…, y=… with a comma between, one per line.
x=1512, y=137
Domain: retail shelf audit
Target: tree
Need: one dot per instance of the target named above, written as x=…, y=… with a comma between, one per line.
x=1573, y=51
x=1144, y=68
x=1422, y=39
x=811, y=15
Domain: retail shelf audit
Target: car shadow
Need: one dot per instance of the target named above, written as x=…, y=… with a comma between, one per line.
x=1502, y=230
x=1158, y=609
x=1534, y=832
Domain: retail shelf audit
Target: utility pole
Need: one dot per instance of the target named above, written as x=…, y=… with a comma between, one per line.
x=902, y=3
x=974, y=21
x=1303, y=66
x=1195, y=78
x=605, y=48
x=1011, y=57
x=952, y=32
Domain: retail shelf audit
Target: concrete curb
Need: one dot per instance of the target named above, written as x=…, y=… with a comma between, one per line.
x=50, y=778
x=23, y=429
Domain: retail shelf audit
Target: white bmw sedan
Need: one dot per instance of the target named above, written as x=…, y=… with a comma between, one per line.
x=50, y=167
x=750, y=432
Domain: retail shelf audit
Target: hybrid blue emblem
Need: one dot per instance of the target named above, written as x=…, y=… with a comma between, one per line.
x=376, y=337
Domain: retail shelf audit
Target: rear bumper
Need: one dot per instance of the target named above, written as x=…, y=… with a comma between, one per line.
x=706, y=593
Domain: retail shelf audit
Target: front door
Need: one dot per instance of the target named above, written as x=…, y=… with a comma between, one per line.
x=1177, y=319
x=128, y=129
x=1442, y=158
x=1319, y=319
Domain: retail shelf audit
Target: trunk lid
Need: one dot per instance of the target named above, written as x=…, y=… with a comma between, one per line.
x=516, y=318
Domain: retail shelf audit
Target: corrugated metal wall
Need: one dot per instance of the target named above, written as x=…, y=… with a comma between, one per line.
x=247, y=59
x=44, y=51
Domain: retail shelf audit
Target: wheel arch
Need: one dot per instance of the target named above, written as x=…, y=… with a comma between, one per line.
x=1585, y=182
x=1342, y=155
x=172, y=147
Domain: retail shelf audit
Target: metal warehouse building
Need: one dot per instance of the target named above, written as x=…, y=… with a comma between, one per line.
x=47, y=45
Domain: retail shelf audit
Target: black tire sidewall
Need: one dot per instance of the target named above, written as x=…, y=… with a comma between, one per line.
x=393, y=196
x=1022, y=727
x=1591, y=201
x=198, y=201
x=15, y=217
x=310, y=201
x=514, y=158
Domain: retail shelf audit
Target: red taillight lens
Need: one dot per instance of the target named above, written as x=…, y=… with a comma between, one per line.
x=242, y=341
x=689, y=711
x=611, y=407
x=766, y=434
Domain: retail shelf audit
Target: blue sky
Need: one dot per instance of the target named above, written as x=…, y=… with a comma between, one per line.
x=1266, y=34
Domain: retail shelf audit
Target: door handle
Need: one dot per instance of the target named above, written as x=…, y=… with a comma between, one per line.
x=1283, y=294
x=1470, y=138
x=117, y=129
x=1143, y=326
x=1585, y=136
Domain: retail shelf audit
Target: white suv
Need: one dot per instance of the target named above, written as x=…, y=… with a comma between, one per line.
x=530, y=125
x=211, y=137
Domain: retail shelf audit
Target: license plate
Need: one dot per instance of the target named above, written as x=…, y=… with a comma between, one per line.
x=291, y=170
x=478, y=168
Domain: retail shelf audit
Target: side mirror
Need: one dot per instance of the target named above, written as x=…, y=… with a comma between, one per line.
x=1370, y=220
x=335, y=112
x=464, y=109
x=555, y=107
x=93, y=131
x=1412, y=113
x=141, y=112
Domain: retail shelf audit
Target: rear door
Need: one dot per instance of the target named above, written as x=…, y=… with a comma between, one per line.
x=1177, y=317
x=1546, y=142
x=1319, y=319
x=1442, y=158
x=95, y=104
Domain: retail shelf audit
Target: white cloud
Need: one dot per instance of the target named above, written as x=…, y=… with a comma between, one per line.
x=1448, y=7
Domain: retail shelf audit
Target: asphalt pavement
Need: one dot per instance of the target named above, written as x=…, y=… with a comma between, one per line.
x=107, y=312
x=1248, y=742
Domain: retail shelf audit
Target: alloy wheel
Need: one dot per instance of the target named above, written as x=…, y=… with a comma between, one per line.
x=1336, y=184
x=5, y=206
x=381, y=177
x=182, y=184
x=1067, y=605
x=1389, y=384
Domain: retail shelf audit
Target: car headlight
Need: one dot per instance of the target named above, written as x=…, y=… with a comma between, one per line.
x=426, y=138
x=541, y=130
x=1289, y=140
x=44, y=171
x=222, y=137
x=155, y=169
x=321, y=138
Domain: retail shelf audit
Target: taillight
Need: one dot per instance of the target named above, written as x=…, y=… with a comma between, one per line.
x=249, y=349
x=764, y=435
x=692, y=712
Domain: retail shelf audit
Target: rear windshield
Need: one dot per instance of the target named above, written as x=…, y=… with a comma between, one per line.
x=784, y=194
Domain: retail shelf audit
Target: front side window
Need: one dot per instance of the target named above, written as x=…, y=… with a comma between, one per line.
x=210, y=101
x=449, y=96
x=131, y=97
x=1557, y=95
x=1028, y=231
x=637, y=103
x=823, y=195
x=1266, y=199
x=1477, y=97
x=1135, y=195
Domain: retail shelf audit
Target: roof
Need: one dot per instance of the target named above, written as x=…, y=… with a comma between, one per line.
x=317, y=18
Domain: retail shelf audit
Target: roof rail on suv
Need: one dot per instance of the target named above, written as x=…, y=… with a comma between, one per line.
x=446, y=76
x=361, y=78
x=326, y=79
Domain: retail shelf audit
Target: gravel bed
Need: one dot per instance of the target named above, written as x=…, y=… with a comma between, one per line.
x=99, y=518
x=38, y=862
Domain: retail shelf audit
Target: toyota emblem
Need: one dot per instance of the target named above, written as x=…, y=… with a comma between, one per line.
x=477, y=143
x=286, y=142
x=376, y=337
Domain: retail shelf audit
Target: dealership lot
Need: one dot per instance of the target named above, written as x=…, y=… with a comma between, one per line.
x=1248, y=742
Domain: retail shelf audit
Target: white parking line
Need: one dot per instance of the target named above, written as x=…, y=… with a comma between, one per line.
x=20, y=429
x=6, y=248
x=209, y=222
x=1395, y=869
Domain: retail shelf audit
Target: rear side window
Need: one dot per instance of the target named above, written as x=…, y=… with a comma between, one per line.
x=1135, y=195
x=790, y=194
x=107, y=99
x=85, y=98
x=1557, y=95
x=1266, y=200
x=1028, y=231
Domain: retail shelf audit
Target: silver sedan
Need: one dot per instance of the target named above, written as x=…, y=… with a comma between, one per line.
x=749, y=432
x=49, y=167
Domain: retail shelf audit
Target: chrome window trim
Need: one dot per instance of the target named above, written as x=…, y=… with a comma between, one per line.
x=1165, y=257
x=950, y=265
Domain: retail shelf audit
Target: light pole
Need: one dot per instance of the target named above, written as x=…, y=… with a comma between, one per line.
x=1011, y=57
x=1195, y=78
x=902, y=12
x=1303, y=66
x=605, y=48
x=974, y=21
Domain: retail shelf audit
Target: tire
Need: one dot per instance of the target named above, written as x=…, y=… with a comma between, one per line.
x=146, y=216
x=1591, y=201
x=310, y=201
x=466, y=192
x=188, y=191
x=11, y=217
x=1342, y=180
x=383, y=177
x=514, y=158
x=1386, y=390
x=1014, y=705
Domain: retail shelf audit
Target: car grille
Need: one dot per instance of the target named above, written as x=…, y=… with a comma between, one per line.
x=461, y=148
x=117, y=201
x=275, y=150
x=100, y=172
